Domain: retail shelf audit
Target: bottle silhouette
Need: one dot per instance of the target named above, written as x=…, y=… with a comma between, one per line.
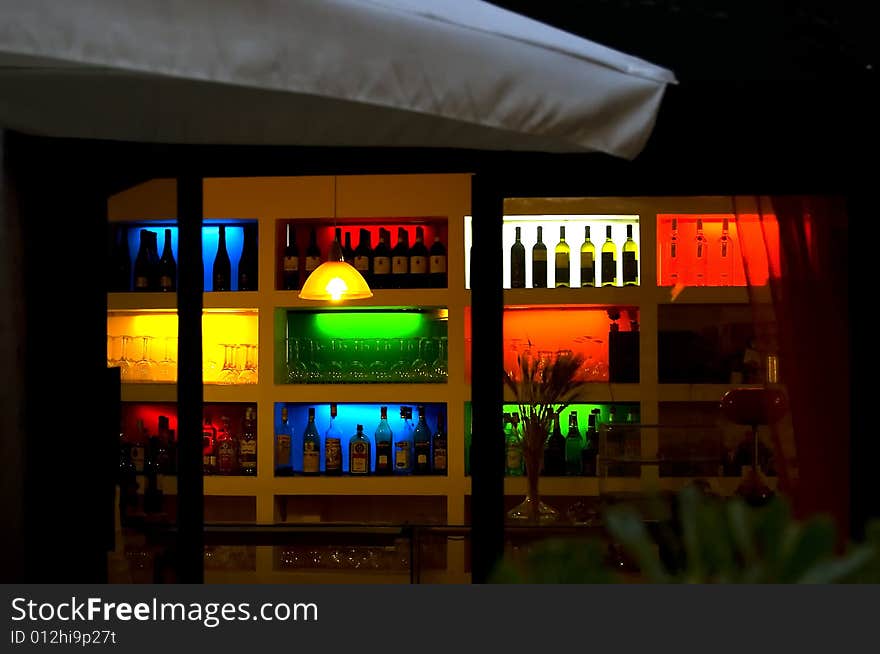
x=588, y=260
x=517, y=262
x=630, y=259
x=167, y=266
x=384, y=438
x=437, y=264
x=609, y=260
x=539, y=262
x=382, y=261
x=400, y=260
x=222, y=272
x=562, y=261
x=418, y=261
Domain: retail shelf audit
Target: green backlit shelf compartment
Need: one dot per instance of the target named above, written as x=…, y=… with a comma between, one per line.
x=377, y=345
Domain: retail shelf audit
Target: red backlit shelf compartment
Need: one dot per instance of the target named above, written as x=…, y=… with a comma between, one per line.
x=753, y=245
x=542, y=331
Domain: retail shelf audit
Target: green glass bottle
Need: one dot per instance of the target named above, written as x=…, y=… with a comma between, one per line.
x=609, y=260
x=588, y=260
x=630, y=259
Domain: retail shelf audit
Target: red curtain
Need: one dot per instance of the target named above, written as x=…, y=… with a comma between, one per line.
x=808, y=287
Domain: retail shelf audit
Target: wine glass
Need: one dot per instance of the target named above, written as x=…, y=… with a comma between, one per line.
x=313, y=365
x=400, y=368
x=357, y=368
x=125, y=362
x=296, y=367
x=144, y=368
x=248, y=373
x=335, y=372
x=168, y=365
x=229, y=373
x=440, y=367
x=418, y=367
x=379, y=370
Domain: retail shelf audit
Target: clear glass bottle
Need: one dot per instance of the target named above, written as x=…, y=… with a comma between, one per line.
x=588, y=260
x=403, y=446
x=674, y=272
x=359, y=453
x=283, y=446
x=725, y=256
x=311, y=446
x=422, y=444
x=630, y=259
x=513, y=455
x=609, y=260
x=247, y=443
x=701, y=256
x=384, y=439
x=562, y=261
x=333, y=446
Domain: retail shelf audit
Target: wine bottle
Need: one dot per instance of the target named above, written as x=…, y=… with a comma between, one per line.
x=588, y=260
x=725, y=256
x=247, y=263
x=512, y=449
x=120, y=273
x=227, y=457
x=517, y=262
x=701, y=252
x=347, y=250
x=359, y=453
x=381, y=271
x=562, y=258
x=167, y=266
x=403, y=446
x=362, y=255
x=439, y=461
x=313, y=253
x=311, y=446
x=283, y=451
x=333, y=446
x=609, y=260
x=145, y=265
x=400, y=260
x=674, y=263
x=290, y=262
x=222, y=276
x=384, y=438
x=539, y=262
x=554, y=451
x=209, y=448
x=247, y=443
x=574, y=445
x=591, y=446
x=437, y=264
x=418, y=261
x=630, y=259
x=422, y=445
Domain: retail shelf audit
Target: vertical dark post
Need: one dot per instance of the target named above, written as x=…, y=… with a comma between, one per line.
x=190, y=484
x=487, y=394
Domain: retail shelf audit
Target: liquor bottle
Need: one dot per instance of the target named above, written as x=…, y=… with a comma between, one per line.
x=422, y=445
x=362, y=255
x=514, y=451
x=630, y=259
x=120, y=274
x=311, y=446
x=152, y=493
x=554, y=452
x=437, y=264
x=247, y=263
x=381, y=270
x=313, y=253
x=562, y=258
x=209, y=448
x=222, y=273
x=517, y=262
x=588, y=260
x=290, y=262
x=347, y=250
x=539, y=262
x=146, y=264
x=725, y=256
x=403, y=446
x=674, y=262
x=701, y=257
x=609, y=260
x=138, y=447
x=400, y=260
x=439, y=461
x=359, y=453
x=384, y=439
x=574, y=445
x=283, y=450
x=591, y=446
x=247, y=443
x=333, y=446
x=418, y=261
x=167, y=266
x=227, y=457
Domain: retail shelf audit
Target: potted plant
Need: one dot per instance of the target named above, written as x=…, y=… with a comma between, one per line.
x=542, y=388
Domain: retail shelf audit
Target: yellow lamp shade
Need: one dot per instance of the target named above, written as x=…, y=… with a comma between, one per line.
x=335, y=281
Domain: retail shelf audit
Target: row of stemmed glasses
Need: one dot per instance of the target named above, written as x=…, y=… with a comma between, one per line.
x=360, y=360
x=133, y=356
x=239, y=365
x=594, y=369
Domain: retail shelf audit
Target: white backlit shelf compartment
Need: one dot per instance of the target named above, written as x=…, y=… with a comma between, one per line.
x=366, y=485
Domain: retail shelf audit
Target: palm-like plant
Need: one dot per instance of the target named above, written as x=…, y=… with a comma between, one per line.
x=542, y=389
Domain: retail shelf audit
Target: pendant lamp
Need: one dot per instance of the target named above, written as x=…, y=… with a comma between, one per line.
x=335, y=280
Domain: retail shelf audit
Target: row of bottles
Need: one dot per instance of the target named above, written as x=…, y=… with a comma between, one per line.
x=693, y=267
x=594, y=270
x=153, y=273
x=574, y=453
x=400, y=266
x=412, y=448
x=227, y=451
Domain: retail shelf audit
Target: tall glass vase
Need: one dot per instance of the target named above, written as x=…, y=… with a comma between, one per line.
x=532, y=511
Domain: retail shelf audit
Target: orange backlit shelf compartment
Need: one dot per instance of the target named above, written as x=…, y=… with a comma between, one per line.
x=753, y=246
x=542, y=331
x=143, y=343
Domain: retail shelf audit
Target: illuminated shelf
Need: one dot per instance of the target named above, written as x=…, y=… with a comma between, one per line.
x=697, y=392
x=149, y=392
x=362, y=393
x=392, y=297
x=368, y=485
x=168, y=301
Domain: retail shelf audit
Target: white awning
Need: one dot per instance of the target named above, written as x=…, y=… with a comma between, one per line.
x=456, y=73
